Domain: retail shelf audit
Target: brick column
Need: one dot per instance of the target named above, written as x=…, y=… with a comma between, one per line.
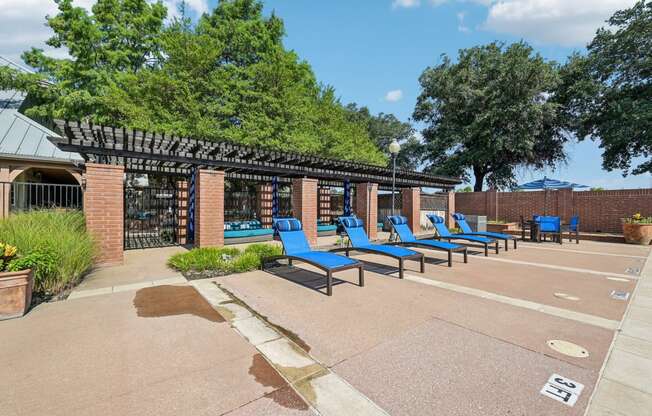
x=182, y=211
x=366, y=195
x=209, y=208
x=565, y=204
x=491, y=204
x=5, y=191
x=411, y=207
x=304, y=206
x=450, y=221
x=324, y=204
x=264, y=204
x=104, y=210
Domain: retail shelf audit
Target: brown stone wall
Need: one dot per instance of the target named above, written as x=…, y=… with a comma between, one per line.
x=367, y=194
x=104, y=210
x=411, y=207
x=209, y=208
x=599, y=211
x=304, y=206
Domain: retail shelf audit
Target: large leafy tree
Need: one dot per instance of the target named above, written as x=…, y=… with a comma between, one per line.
x=607, y=93
x=228, y=76
x=489, y=113
x=383, y=128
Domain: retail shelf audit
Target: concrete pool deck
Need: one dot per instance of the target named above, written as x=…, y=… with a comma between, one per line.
x=472, y=339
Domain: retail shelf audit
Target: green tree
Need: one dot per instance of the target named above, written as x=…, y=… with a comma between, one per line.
x=607, y=94
x=383, y=128
x=489, y=113
x=228, y=76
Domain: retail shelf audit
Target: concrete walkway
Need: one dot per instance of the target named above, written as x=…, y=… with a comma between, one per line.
x=625, y=388
x=159, y=350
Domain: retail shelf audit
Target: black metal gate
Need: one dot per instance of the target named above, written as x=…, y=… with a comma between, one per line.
x=151, y=217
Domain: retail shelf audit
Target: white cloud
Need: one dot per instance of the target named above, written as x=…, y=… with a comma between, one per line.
x=22, y=23
x=460, y=23
x=394, y=96
x=405, y=3
x=562, y=22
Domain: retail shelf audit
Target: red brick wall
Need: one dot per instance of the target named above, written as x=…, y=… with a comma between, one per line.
x=450, y=209
x=304, y=206
x=182, y=211
x=599, y=211
x=209, y=208
x=264, y=204
x=367, y=193
x=104, y=210
x=411, y=207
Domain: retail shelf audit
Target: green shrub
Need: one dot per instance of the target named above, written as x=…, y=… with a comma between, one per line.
x=223, y=260
x=52, y=242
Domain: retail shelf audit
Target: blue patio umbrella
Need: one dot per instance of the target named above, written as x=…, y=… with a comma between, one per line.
x=275, y=201
x=347, y=198
x=547, y=183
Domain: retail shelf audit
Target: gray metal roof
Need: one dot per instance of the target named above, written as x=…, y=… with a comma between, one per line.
x=20, y=136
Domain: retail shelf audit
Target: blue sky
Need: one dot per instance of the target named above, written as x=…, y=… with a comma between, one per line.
x=368, y=48
x=373, y=51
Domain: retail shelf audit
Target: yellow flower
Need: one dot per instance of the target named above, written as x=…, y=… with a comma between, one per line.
x=637, y=216
x=9, y=251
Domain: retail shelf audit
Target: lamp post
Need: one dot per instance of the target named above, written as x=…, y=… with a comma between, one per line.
x=394, y=148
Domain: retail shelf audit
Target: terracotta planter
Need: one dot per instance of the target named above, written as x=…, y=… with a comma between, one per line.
x=501, y=228
x=15, y=293
x=637, y=233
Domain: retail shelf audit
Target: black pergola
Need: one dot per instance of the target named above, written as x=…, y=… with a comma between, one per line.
x=147, y=152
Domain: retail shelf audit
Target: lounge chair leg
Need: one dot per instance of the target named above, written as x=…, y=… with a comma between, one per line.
x=329, y=283
x=423, y=264
x=506, y=245
x=347, y=252
x=289, y=262
x=486, y=250
x=514, y=244
x=466, y=256
x=450, y=258
x=400, y=268
x=361, y=276
x=496, y=247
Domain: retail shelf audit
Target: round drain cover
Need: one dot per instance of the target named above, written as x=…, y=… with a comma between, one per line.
x=566, y=296
x=568, y=348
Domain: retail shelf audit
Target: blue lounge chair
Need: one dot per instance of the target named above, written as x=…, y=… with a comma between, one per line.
x=359, y=241
x=443, y=233
x=296, y=247
x=466, y=229
x=408, y=239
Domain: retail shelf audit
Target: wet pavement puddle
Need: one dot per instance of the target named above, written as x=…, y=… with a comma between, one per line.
x=168, y=300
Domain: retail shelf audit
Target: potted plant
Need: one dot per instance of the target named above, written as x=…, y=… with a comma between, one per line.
x=637, y=229
x=16, y=284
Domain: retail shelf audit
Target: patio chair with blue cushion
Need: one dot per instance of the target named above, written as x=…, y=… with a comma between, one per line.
x=548, y=225
x=296, y=247
x=354, y=229
x=573, y=227
x=399, y=224
x=466, y=229
x=444, y=233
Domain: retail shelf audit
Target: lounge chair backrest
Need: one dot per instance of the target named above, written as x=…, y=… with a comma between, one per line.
x=292, y=236
x=574, y=223
x=549, y=224
x=355, y=230
x=400, y=226
x=461, y=221
x=438, y=222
